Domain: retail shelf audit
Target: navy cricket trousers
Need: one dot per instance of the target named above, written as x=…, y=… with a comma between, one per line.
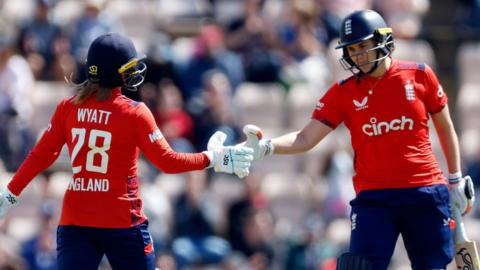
x=421, y=215
x=82, y=248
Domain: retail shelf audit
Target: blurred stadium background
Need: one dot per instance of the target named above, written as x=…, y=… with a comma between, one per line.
x=216, y=65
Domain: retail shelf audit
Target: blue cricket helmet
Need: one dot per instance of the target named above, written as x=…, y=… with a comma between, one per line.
x=360, y=26
x=113, y=61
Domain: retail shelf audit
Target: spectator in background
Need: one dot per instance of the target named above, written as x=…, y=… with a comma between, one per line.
x=166, y=103
x=93, y=22
x=16, y=80
x=9, y=259
x=40, y=251
x=335, y=10
x=160, y=59
x=404, y=16
x=302, y=38
x=174, y=122
x=214, y=110
x=209, y=53
x=468, y=24
x=300, y=35
x=195, y=238
x=248, y=217
x=257, y=227
x=166, y=261
x=253, y=37
x=44, y=46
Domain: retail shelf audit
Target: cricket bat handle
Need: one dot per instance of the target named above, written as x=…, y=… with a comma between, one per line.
x=460, y=232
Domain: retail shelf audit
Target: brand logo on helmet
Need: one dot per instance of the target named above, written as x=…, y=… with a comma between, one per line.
x=348, y=27
x=93, y=70
x=376, y=129
x=409, y=90
x=361, y=105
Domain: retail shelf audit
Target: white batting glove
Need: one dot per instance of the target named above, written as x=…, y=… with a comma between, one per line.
x=261, y=147
x=462, y=193
x=228, y=159
x=7, y=201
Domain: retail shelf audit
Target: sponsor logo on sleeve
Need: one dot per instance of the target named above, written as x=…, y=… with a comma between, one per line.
x=319, y=105
x=440, y=92
x=155, y=135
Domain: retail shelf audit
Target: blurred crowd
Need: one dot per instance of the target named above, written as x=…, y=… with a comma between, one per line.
x=212, y=65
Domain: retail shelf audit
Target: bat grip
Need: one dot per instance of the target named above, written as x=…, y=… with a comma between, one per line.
x=460, y=233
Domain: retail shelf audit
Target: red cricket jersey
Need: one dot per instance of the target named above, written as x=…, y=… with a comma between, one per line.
x=388, y=124
x=103, y=140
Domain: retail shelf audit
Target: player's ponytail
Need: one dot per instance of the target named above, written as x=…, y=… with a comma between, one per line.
x=88, y=88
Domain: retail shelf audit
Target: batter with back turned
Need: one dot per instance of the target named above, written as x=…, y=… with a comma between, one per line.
x=104, y=132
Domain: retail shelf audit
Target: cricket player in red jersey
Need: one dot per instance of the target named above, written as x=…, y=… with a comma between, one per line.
x=104, y=131
x=400, y=189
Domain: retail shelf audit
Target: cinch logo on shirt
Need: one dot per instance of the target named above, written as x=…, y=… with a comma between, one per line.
x=376, y=129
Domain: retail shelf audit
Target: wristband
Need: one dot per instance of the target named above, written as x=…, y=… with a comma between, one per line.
x=455, y=177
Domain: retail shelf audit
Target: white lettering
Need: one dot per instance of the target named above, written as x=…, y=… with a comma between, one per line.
x=375, y=129
x=405, y=121
x=93, y=116
x=90, y=185
x=89, y=115
x=81, y=115
x=155, y=135
x=106, y=114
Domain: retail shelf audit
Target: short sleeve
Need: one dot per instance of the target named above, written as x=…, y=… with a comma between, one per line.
x=435, y=97
x=328, y=108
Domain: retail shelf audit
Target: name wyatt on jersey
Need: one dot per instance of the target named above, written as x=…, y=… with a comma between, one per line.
x=93, y=116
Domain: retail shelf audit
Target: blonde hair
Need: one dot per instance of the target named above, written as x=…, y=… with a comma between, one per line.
x=88, y=88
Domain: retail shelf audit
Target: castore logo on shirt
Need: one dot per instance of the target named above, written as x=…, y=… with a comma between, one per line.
x=360, y=105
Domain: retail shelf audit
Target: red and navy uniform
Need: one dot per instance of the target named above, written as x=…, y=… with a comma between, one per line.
x=400, y=187
x=388, y=122
x=104, y=140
